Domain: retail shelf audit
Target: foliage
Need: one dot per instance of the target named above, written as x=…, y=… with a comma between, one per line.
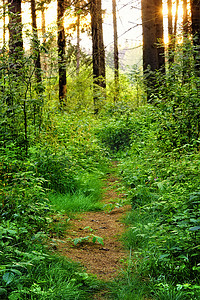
x=164, y=224
x=130, y=91
x=27, y=270
x=177, y=97
x=93, y=238
x=54, y=161
x=68, y=153
x=85, y=198
x=116, y=133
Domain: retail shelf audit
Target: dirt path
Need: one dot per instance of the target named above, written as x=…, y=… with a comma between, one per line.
x=103, y=260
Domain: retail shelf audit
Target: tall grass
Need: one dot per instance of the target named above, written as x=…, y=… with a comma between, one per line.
x=86, y=198
x=76, y=202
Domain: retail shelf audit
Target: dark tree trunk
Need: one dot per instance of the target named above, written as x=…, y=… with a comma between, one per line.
x=195, y=14
x=116, y=55
x=15, y=46
x=150, y=58
x=102, y=71
x=36, y=48
x=186, y=72
x=61, y=52
x=15, y=32
x=153, y=55
x=170, y=32
x=98, y=51
x=170, y=24
x=160, y=35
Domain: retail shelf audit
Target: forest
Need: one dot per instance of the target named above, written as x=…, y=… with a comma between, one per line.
x=71, y=119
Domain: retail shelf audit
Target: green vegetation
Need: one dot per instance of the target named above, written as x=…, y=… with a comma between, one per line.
x=163, y=228
x=65, y=164
x=52, y=162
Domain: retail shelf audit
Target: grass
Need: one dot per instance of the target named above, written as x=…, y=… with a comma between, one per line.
x=86, y=198
x=128, y=286
x=56, y=278
x=74, y=202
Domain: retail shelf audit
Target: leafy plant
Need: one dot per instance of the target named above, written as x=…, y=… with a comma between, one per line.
x=116, y=134
x=90, y=238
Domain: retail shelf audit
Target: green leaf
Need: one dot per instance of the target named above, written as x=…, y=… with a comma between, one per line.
x=14, y=296
x=8, y=277
x=163, y=256
x=16, y=272
x=76, y=241
x=3, y=291
x=100, y=240
x=195, y=228
x=94, y=239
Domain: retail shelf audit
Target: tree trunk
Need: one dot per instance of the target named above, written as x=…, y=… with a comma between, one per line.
x=170, y=26
x=15, y=46
x=150, y=58
x=176, y=21
x=61, y=52
x=15, y=32
x=170, y=32
x=152, y=24
x=4, y=23
x=160, y=35
x=102, y=64
x=185, y=18
x=36, y=49
x=116, y=55
x=98, y=51
x=195, y=14
x=186, y=72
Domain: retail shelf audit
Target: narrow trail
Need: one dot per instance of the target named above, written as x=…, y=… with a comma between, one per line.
x=105, y=260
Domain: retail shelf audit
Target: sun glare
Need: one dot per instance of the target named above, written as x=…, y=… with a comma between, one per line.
x=179, y=20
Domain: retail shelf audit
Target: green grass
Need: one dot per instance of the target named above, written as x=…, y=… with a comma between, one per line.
x=74, y=202
x=163, y=227
x=86, y=198
x=52, y=278
x=128, y=285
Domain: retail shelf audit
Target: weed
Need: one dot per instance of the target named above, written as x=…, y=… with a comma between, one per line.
x=90, y=238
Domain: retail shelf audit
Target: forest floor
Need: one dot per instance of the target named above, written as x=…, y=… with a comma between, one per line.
x=104, y=261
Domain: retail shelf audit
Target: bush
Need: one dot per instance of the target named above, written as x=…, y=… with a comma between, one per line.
x=164, y=228
x=116, y=133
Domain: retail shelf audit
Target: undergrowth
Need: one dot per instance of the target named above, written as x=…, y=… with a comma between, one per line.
x=163, y=226
x=66, y=164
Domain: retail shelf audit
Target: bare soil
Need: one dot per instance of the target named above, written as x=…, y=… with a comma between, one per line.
x=104, y=261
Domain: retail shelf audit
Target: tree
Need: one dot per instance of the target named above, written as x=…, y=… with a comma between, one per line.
x=98, y=51
x=195, y=15
x=4, y=23
x=78, y=39
x=15, y=44
x=36, y=48
x=15, y=32
x=172, y=30
x=41, y=6
x=116, y=54
x=153, y=52
x=61, y=52
x=159, y=35
x=185, y=18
